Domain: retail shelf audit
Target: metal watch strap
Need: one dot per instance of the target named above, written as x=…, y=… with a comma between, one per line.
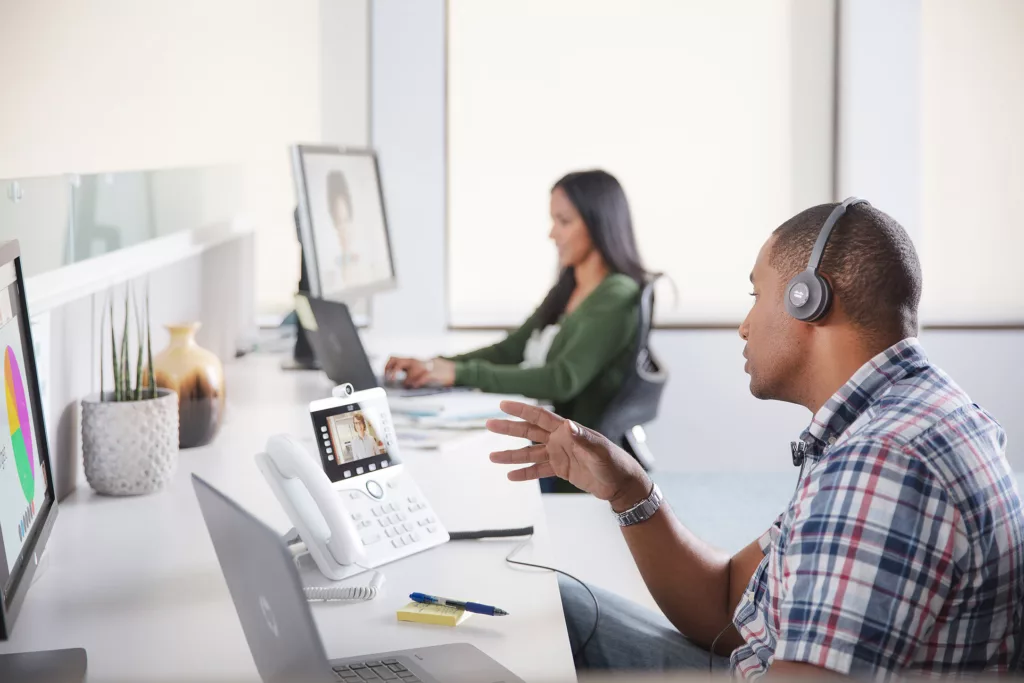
x=643, y=510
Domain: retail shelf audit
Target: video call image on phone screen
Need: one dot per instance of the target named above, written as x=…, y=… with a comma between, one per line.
x=353, y=440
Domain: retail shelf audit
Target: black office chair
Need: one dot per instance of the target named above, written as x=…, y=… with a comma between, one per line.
x=637, y=402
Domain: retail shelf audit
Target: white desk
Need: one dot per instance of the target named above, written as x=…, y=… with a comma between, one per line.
x=135, y=580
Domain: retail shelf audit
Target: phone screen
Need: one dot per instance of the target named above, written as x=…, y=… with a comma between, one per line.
x=355, y=439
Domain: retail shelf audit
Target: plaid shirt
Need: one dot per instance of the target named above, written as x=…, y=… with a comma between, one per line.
x=903, y=548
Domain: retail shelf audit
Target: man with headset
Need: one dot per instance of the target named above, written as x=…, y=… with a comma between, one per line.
x=902, y=550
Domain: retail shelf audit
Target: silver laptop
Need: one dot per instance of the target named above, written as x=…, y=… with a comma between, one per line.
x=284, y=641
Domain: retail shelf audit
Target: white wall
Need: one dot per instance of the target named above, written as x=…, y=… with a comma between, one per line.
x=879, y=145
x=345, y=72
x=408, y=127
x=118, y=85
x=972, y=181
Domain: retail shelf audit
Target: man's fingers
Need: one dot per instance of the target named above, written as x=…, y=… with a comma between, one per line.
x=583, y=436
x=523, y=430
x=519, y=456
x=531, y=472
x=544, y=419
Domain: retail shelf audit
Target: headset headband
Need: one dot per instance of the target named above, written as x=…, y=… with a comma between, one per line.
x=819, y=247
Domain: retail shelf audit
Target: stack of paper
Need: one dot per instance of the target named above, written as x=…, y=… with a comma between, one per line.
x=459, y=406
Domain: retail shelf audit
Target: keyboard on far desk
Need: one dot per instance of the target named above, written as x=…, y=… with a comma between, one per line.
x=395, y=389
x=375, y=670
x=402, y=392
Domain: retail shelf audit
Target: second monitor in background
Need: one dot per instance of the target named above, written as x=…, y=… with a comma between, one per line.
x=342, y=223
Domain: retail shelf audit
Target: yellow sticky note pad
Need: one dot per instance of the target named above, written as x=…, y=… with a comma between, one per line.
x=444, y=615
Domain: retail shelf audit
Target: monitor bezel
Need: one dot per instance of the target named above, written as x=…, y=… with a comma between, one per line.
x=24, y=570
x=308, y=241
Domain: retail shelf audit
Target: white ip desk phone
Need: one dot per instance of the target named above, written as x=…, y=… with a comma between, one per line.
x=358, y=508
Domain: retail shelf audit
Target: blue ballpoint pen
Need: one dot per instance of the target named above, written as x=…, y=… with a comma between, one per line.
x=474, y=607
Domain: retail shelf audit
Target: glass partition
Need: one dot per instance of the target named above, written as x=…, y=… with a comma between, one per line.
x=66, y=219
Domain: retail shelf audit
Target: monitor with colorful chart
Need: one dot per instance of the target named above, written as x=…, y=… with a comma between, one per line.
x=27, y=505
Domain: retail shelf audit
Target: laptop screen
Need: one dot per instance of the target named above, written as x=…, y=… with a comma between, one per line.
x=335, y=341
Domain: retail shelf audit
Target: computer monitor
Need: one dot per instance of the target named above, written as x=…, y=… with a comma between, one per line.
x=28, y=506
x=343, y=228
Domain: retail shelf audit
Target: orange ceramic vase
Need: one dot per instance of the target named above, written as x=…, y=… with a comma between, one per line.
x=198, y=378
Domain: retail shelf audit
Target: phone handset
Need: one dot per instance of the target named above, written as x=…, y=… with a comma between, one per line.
x=312, y=505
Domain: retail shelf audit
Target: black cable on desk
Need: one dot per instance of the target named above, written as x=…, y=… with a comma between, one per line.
x=528, y=531
x=490, y=533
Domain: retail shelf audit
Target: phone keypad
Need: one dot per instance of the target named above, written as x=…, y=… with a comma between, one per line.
x=398, y=521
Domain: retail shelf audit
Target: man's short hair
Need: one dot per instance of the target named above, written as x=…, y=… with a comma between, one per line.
x=870, y=262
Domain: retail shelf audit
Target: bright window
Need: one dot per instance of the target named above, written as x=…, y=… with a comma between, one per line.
x=715, y=115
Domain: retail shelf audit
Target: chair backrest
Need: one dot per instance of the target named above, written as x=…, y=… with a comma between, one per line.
x=638, y=400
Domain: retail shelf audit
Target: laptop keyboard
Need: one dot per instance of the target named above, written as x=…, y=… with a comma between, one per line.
x=378, y=670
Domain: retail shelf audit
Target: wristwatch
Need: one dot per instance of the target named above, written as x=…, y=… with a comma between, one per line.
x=643, y=510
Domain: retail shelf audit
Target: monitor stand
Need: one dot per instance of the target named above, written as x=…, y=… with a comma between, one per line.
x=45, y=666
x=302, y=356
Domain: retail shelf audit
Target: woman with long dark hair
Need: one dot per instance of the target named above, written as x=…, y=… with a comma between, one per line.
x=576, y=348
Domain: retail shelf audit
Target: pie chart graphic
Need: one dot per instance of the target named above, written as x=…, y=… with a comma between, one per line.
x=17, y=417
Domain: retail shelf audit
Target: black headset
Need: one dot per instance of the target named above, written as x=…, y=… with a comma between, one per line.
x=808, y=294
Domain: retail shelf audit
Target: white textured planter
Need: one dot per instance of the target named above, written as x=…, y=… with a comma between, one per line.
x=130, y=447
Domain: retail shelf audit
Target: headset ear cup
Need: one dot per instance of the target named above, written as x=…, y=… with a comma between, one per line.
x=804, y=295
x=809, y=294
x=825, y=303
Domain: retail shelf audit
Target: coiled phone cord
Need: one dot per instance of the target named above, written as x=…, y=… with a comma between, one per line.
x=326, y=593
x=335, y=593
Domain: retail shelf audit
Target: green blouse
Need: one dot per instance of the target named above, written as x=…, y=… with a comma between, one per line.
x=586, y=364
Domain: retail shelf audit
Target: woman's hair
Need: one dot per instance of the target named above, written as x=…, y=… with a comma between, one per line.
x=337, y=188
x=358, y=418
x=601, y=203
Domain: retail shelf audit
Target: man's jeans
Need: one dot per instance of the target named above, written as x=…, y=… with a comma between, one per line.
x=628, y=636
